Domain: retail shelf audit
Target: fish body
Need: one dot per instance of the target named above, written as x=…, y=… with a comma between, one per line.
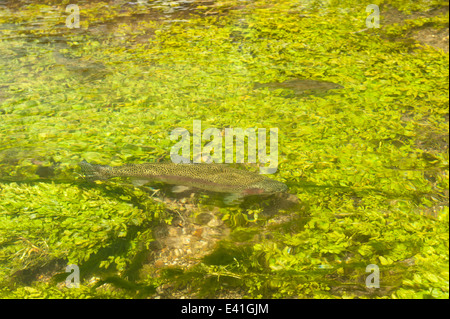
x=211, y=177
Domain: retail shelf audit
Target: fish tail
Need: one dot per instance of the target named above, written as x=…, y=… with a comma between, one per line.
x=94, y=172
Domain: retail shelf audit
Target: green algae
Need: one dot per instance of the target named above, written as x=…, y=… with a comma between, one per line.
x=368, y=163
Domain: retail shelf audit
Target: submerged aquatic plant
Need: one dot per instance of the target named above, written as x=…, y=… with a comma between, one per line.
x=368, y=162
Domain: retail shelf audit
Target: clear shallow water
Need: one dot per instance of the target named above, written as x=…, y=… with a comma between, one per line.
x=361, y=161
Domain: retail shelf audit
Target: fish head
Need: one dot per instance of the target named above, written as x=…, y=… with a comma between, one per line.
x=268, y=186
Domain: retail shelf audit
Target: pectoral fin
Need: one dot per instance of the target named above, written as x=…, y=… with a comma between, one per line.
x=233, y=199
x=139, y=182
x=180, y=189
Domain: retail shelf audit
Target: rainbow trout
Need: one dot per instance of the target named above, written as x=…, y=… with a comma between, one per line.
x=211, y=177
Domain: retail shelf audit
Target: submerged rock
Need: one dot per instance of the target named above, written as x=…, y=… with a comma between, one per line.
x=78, y=66
x=301, y=86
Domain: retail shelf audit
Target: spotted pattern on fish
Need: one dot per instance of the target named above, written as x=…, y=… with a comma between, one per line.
x=214, y=177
